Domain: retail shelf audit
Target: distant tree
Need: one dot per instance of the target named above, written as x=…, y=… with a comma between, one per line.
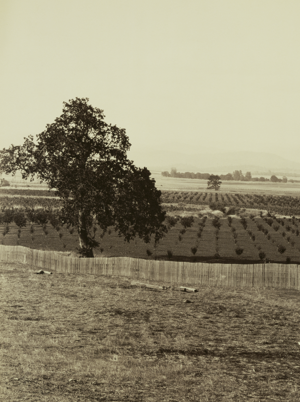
x=166, y=174
x=228, y=176
x=236, y=175
x=4, y=183
x=242, y=177
x=202, y=176
x=274, y=179
x=248, y=176
x=173, y=172
x=214, y=182
x=85, y=160
x=284, y=179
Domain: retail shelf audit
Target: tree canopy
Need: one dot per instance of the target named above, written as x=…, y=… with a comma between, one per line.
x=214, y=182
x=85, y=160
x=274, y=179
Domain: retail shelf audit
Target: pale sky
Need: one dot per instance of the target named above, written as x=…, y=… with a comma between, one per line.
x=188, y=75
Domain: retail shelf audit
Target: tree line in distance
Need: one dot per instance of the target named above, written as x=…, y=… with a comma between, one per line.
x=237, y=175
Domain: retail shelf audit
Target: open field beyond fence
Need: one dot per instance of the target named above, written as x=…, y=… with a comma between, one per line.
x=284, y=276
x=224, y=240
x=284, y=203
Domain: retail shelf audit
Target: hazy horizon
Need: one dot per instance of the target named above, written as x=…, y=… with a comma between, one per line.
x=194, y=77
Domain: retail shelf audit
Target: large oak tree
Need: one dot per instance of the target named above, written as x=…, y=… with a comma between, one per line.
x=85, y=160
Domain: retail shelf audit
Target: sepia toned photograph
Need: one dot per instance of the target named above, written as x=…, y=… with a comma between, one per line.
x=149, y=200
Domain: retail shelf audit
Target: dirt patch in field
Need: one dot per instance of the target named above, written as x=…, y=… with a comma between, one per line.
x=68, y=337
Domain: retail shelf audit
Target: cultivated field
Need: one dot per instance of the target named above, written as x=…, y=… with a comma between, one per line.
x=279, y=204
x=177, y=184
x=242, y=232
x=276, y=204
x=229, y=240
x=84, y=338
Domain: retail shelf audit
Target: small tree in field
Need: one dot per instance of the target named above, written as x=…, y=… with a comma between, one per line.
x=262, y=255
x=84, y=159
x=194, y=250
x=214, y=182
x=187, y=221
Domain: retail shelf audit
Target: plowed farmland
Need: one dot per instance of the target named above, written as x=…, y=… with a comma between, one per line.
x=241, y=237
x=280, y=204
x=208, y=239
x=286, y=205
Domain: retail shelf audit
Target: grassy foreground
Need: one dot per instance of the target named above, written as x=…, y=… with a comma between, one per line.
x=84, y=338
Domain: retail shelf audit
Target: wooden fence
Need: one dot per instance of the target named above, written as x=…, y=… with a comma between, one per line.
x=236, y=275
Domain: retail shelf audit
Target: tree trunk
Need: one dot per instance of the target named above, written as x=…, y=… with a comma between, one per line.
x=86, y=250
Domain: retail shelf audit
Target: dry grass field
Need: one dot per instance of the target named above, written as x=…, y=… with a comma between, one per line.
x=84, y=338
x=67, y=337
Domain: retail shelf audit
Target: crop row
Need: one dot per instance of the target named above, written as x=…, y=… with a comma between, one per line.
x=229, y=239
x=265, y=239
x=26, y=192
x=7, y=202
x=285, y=205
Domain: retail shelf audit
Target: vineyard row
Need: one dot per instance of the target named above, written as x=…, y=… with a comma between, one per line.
x=286, y=205
x=249, y=239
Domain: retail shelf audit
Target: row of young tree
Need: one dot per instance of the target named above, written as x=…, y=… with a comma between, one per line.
x=237, y=175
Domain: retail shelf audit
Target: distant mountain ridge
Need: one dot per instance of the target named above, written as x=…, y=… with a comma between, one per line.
x=221, y=162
